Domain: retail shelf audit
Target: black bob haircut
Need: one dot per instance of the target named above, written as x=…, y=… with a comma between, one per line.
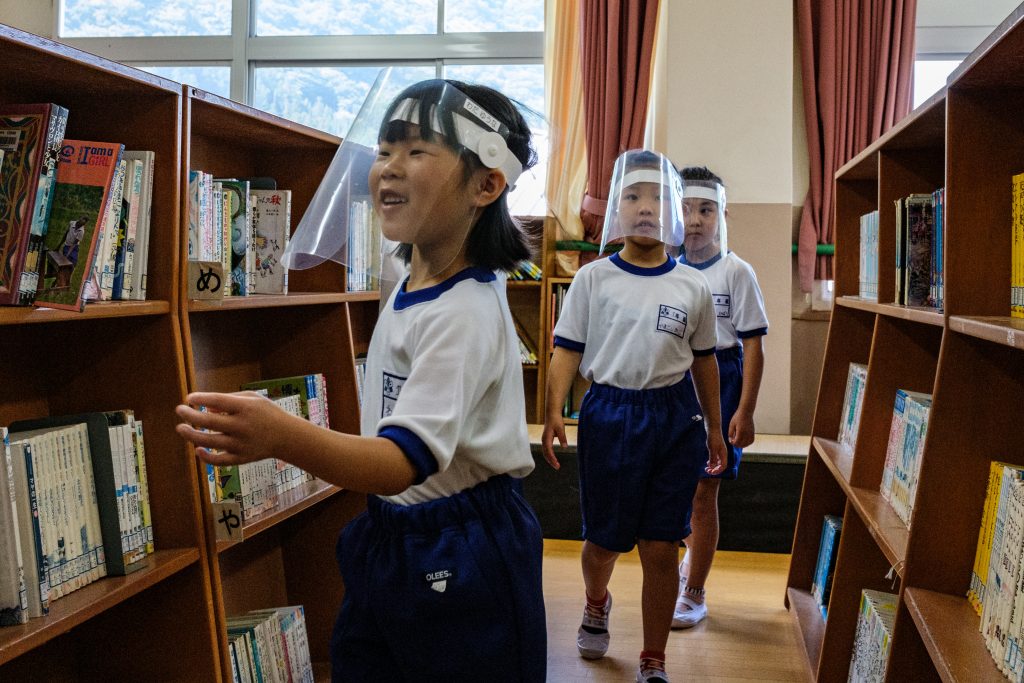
x=497, y=241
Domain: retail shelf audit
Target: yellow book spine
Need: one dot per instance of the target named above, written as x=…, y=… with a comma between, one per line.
x=976, y=592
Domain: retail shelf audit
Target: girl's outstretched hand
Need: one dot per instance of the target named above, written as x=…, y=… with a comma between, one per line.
x=234, y=428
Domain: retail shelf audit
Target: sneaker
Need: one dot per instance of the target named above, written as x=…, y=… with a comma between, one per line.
x=649, y=675
x=592, y=638
x=688, y=612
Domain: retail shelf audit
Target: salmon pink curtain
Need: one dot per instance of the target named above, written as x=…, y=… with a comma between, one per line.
x=617, y=45
x=857, y=64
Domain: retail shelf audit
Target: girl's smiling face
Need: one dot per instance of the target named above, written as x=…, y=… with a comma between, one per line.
x=421, y=191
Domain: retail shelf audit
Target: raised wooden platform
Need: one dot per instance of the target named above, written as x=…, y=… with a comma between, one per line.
x=757, y=512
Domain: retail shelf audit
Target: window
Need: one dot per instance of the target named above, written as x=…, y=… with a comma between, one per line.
x=313, y=61
x=103, y=18
x=215, y=79
x=930, y=76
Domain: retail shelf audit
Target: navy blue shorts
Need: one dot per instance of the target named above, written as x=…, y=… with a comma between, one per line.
x=447, y=590
x=641, y=453
x=730, y=374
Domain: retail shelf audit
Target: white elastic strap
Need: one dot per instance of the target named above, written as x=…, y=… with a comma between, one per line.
x=488, y=145
x=699, y=192
x=644, y=175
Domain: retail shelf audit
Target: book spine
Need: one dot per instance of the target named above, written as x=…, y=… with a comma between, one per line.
x=39, y=529
x=43, y=204
x=13, y=590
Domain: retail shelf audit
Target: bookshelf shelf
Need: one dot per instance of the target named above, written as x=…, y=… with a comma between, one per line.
x=93, y=311
x=968, y=357
x=838, y=457
x=883, y=524
x=948, y=627
x=232, y=303
x=809, y=624
x=286, y=556
x=289, y=503
x=1001, y=330
x=115, y=355
x=75, y=608
x=921, y=314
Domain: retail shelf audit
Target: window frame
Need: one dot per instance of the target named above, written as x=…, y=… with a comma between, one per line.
x=242, y=51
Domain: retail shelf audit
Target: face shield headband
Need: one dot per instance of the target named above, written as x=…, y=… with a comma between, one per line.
x=473, y=128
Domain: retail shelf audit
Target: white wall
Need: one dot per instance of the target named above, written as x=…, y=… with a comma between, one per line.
x=34, y=16
x=730, y=104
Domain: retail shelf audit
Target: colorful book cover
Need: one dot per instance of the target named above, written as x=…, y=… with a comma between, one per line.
x=236, y=195
x=271, y=230
x=85, y=174
x=30, y=136
x=918, y=260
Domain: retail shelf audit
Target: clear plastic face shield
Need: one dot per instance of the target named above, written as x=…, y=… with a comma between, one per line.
x=645, y=200
x=404, y=181
x=704, y=215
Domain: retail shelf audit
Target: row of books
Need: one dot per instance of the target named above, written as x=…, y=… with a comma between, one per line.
x=919, y=269
x=868, y=281
x=919, y=251
x=996, y=590
x=853, y=404
x=364, y=247
x=526, y=270
x=527, y=349
x=256, y=486
x=1017, y=247
x=270, y=646
x=244, y=224
x=74, y=507
x=873, y=637
x=824, y=569
x=74, y=214
x=902, y=469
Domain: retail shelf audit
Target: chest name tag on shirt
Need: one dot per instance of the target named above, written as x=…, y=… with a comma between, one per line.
x=672, y=320
x=391, y=388
x=723, y=305
x=438, y=580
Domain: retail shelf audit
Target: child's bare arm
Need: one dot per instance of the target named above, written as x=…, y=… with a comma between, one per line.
x=561, y=373
x=245, y=427
x=741, y=427
x=706, y=383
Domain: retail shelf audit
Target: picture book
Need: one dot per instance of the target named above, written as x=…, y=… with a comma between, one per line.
x=85, y=174
x=271, y=230
x=30, y=137
x=236, y=195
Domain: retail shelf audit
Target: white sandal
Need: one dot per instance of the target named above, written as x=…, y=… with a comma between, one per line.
x=688, y=612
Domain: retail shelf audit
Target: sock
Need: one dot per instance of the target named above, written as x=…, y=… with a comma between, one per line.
x=596, y=609
x=652, y=659
x=696, y=594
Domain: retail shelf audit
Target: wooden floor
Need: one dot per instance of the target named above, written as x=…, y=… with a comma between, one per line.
x=747, y=636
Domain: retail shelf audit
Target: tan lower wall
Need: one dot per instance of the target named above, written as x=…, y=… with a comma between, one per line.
x=760, y=234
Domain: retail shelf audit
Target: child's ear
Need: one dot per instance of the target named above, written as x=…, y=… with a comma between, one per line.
x=490, y=184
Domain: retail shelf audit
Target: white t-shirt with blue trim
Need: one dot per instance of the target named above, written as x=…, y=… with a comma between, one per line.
x=739, y=305
x=638, y=328
x=444, y=381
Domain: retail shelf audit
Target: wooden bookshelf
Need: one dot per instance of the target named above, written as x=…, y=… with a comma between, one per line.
x=969, y=357
x=287, y=555
x=158, y=623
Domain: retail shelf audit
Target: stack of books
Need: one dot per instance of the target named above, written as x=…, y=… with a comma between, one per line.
x=903, y=453
x=74, y=507
x=873, y=637
x=270, y=645
x=853, y=403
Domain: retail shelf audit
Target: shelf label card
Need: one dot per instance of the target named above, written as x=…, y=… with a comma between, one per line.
x=227, y=520
x=206, y=280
